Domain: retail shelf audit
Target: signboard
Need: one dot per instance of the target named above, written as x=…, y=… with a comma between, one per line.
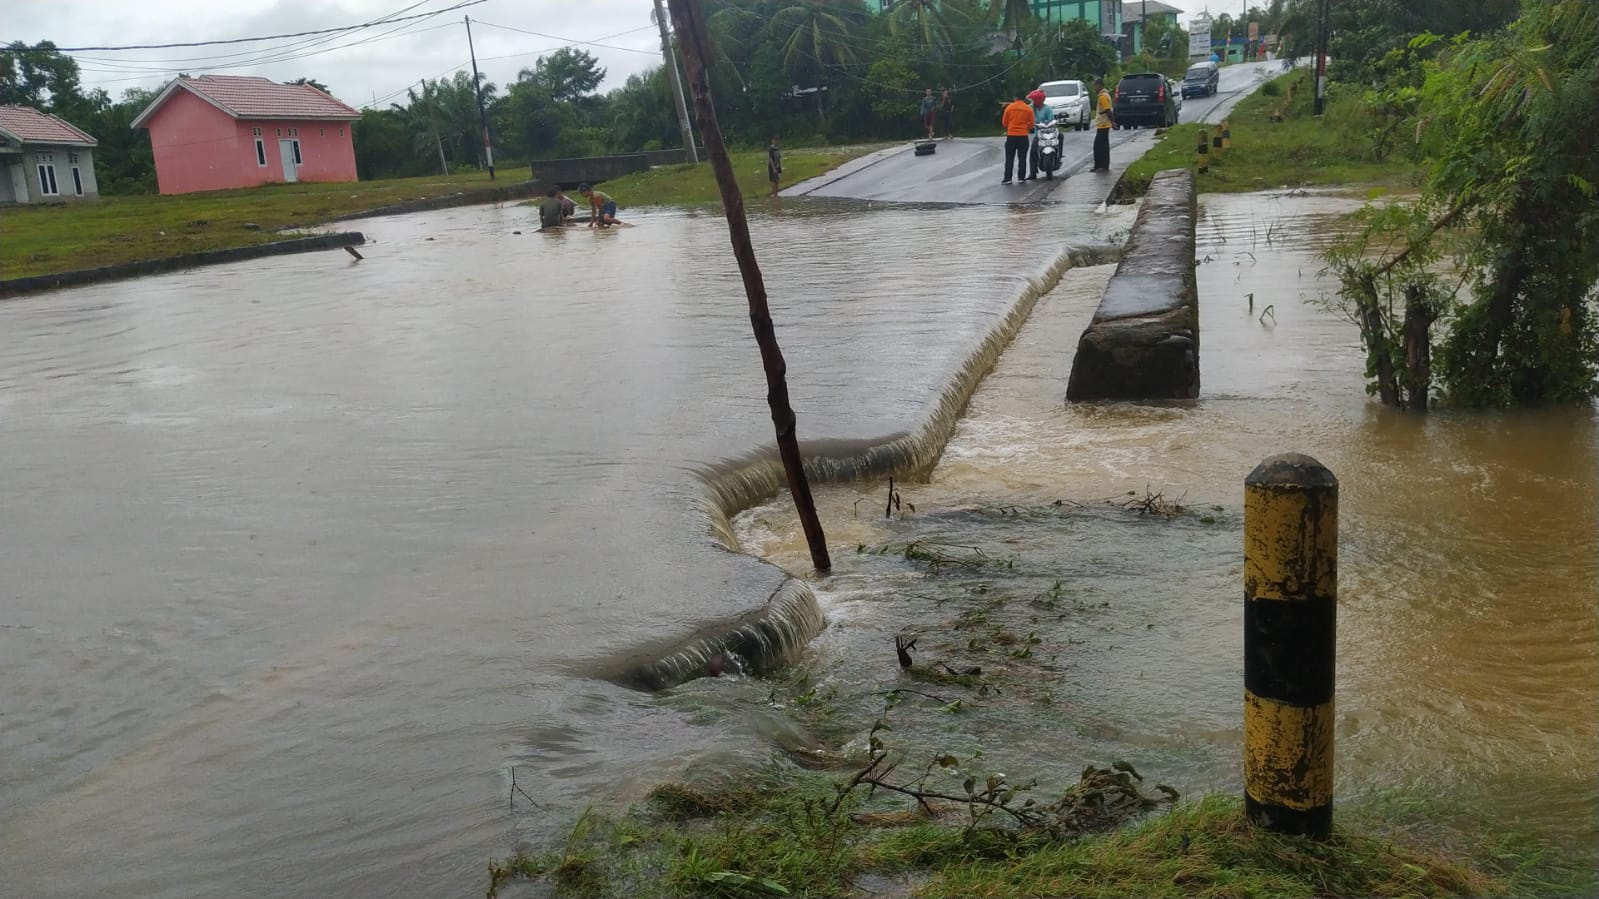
x=1108, y=10
x=1254, y=32
x=1199, y=40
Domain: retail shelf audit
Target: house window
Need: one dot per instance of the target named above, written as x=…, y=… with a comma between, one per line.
x=322, y=132
x=260, y=152
x=77, y=180
x=47, y=181
x=296, y=145
x=341, y=132
x=256, y=131
x=72, y=158
x=280, y=132
x=294, y=132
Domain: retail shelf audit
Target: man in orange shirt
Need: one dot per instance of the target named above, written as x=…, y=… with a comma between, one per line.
x=1018, y=122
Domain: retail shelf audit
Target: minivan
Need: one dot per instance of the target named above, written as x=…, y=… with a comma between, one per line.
x=1202, y=79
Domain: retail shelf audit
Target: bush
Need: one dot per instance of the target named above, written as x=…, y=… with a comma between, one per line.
x=1271, y=89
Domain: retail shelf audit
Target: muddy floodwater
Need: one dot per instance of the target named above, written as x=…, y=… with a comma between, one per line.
x=1468, y=643
x=301, y=558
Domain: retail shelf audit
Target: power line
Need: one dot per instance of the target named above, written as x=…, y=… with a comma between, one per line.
x=246, y=40
x=569, y=41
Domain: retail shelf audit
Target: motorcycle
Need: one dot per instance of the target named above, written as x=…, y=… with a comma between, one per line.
x=1048, y=141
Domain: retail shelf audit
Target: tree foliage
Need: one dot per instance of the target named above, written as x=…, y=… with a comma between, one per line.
x=1506, y=121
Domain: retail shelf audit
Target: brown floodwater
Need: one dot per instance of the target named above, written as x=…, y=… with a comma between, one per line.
x=301, y=558
x=1468, y=631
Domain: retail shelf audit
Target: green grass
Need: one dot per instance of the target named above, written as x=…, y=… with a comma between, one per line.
x=45, y=239
x=695, y=186
x=771, y=833
x=1299, y=151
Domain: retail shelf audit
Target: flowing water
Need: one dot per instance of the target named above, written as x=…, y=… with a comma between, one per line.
x=300, y=559
x=1468, y=640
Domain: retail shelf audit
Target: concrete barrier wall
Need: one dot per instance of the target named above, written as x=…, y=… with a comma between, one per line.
x=1143, y=343
x=569, y=173
x=19, y=286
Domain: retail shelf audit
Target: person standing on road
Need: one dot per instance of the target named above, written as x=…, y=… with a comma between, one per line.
x=1102, y=124
x=1041, y=114
x=929, y=104
x=946, y=114
x=1018, y=122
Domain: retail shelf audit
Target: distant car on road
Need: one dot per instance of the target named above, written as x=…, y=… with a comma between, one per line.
x=1175, y=88
x=1144, y=98
x=1071, y=103
x=1201, y=80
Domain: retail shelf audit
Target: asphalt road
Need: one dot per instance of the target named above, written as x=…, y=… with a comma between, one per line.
x=968, y=170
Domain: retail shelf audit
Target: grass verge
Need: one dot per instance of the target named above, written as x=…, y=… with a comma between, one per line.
x=1299, y=150
x=775, y=833
x=695, y=186
x=47, y=239
x=42, y=240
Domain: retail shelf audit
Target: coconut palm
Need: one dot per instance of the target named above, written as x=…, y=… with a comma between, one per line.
x=927, y=23
x=1010, y=14
x=816, y=34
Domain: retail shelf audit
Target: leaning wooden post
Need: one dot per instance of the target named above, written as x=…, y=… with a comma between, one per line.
x=688, y=21
x=1290, y=627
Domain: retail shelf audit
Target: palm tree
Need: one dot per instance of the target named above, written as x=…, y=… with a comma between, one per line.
x=815, y=34
x=1010, y=14
x=929, y=23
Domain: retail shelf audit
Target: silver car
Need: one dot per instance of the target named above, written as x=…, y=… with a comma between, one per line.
x=1073, y=106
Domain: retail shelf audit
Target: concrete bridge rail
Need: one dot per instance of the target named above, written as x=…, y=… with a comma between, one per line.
x=1143, y=342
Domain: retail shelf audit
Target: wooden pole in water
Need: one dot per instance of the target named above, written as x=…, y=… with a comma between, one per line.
x=688, y=21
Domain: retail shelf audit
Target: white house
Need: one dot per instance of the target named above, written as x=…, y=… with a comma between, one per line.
x=43, y=159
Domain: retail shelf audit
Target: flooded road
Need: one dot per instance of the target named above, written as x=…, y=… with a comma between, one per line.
x=301, y=557
x=1468, y=633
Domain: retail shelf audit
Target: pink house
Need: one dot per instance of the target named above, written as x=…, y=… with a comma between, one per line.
x=221, y=131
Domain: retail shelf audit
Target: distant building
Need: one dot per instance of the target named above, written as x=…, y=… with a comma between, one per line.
x=220, y=131
x=1134, y=12
x=1105, y=15
x=44, y=159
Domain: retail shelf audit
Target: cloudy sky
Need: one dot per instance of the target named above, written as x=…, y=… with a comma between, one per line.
x=378, y=62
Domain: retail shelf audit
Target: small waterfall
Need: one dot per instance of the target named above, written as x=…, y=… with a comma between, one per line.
x=773, y=635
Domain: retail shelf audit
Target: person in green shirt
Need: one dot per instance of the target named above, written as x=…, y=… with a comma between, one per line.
x=554, y=210
x=602, y=208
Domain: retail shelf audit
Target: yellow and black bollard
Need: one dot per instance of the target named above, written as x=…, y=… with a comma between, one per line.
x=1204, y=152
x=1290, y=630
x=1216, y=141
x=1226, y=135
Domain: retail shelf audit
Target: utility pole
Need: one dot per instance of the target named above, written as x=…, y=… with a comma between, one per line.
x=688, y=21
x=1321, y=58
x=477, y=85
x=434, y=125
x=689, y=151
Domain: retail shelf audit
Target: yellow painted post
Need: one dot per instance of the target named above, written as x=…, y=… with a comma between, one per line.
x=1216, y=141
x=1226, y=135
x=1290, y=630
x=1204, y=152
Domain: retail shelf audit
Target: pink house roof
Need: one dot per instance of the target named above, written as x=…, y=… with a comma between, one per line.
x=253, y=97
x=25, y=124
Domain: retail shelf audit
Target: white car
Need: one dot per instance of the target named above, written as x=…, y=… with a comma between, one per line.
x=1071, y=102
x=1175, y=88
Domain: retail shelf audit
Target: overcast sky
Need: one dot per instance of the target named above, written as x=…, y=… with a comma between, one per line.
x=373, y=63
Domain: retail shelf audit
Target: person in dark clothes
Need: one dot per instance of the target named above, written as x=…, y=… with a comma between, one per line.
x=774, y=164
x=946, y=114
x=1102, y=123
x=1018, y=122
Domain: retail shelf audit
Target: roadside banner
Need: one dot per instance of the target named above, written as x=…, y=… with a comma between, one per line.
x=1254, y=32
x=1199, y=41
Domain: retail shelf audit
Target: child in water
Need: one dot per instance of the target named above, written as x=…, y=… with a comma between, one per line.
x=602, y=208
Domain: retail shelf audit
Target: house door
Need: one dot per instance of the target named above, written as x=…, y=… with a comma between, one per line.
x=291, y=171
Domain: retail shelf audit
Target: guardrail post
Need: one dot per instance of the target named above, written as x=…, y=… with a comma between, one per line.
x=1290, y=629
